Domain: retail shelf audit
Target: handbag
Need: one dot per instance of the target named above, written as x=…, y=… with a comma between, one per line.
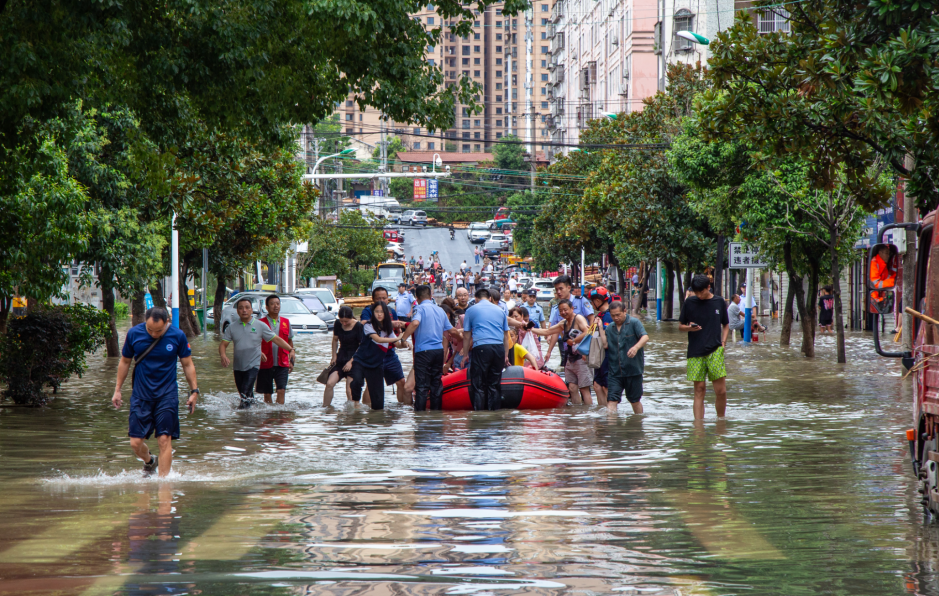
x=595, y=356
x=324, y=376
x=583, y=348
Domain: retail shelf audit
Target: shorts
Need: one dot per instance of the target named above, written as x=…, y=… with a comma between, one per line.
x=391, y=369
x=338, y=369
x=826, y=321
x=268, y=377
x=578, y=373
x=160, y=416
x=710, y=366
x=601, y=375
x=631, y=386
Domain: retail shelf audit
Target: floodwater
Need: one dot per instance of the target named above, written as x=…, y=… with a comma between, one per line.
x=804, y=489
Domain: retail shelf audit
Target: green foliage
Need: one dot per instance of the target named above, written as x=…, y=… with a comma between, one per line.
x=851, y=83
x=46, y=346
x=402, y=189
x=121, y=310
x=340, y=249
x=42, y=213
x=395, y=145
x=524, y=235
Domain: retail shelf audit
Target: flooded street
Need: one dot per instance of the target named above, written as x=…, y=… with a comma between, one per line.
x=804, y=489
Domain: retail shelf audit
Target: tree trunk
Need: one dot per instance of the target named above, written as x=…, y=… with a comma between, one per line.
x=681, y=286
x=159, y=299
x=6, y=303
x=107, y=300
x=219, y=301
x=786, y=332
x=188, y=323
x=797, y=287
x=138, y=308
x=669, y=290
x=836, y=286
x=810, y=322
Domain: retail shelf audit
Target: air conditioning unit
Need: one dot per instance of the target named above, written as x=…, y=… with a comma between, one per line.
x=615, y=40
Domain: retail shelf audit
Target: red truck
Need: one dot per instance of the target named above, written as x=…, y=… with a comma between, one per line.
x=923, y=361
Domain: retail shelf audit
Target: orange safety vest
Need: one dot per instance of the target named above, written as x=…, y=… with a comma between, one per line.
x=881, y=275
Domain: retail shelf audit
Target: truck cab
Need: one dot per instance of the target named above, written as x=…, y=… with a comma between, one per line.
x=923, y=361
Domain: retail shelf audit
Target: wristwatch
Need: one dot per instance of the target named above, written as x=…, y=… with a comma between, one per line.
x=191, y=391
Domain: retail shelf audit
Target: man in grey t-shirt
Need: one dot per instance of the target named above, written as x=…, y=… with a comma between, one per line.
x=734, y=314
x=247, y=333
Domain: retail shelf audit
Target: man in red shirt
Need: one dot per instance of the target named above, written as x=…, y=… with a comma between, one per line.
x=275, y=363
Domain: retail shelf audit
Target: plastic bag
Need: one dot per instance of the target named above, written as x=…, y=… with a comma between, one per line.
x=533, y=347
x=595, y=356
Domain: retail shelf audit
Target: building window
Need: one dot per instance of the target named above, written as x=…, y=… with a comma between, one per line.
x=544, y=22
x=498, y=110
x=476, y=123
x=417, y=131
x=544, y=64
x=431, y=62
x=477, y=148
x=475, y=35
x=544, y=105
x=476, y=136
x=544, y=8
x=466, y=148
x=466, y=124
x=498, y=74
x=466, y=50
x=544, y=90
x=466, y=135
x=349, y=131
x=475, y=23
x=348, y=116
x=476, y=48
x=498, y=23
x=360, y=117
x=498, y=135
x=430, y=49
x=776, y=19
x=544, y=35
x=498, y=37
x=465, y=112
x=476, y=61
x=499, y=97
x=465, y=61
x=544, y=49
x=498, y=87
x=498, y=123
x=431, y=145
x=475, y=73
x=514, y=23
x=544, y=76
x=430, y=20
x=348, y=103
x=684, y=21
x=417, y=145
x=465, y=73
x=498, y=60
x=499, y=50
x=405, y=168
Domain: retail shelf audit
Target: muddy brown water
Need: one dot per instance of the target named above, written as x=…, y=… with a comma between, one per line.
x=804, y=489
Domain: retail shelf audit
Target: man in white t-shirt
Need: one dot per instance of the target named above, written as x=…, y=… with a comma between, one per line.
x=513, y=283
x=463, y=266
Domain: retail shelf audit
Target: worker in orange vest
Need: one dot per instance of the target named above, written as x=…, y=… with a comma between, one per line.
x=882, y=275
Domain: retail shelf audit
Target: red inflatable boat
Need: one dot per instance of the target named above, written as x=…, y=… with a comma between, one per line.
x=522, y=389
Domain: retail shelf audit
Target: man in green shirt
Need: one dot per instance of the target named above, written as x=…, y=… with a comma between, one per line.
x=623, y=341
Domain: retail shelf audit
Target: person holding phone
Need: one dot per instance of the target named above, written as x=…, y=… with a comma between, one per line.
x=704, y=318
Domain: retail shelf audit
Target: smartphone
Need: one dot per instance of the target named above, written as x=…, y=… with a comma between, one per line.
x=695, y=326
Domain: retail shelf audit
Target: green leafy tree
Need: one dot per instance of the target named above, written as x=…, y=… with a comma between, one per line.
x=850, y=83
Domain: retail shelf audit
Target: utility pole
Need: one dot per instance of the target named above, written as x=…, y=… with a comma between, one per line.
x=383, y=182
x=529, y=110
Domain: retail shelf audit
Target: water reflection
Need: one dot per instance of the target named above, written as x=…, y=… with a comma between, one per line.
x=803, y=490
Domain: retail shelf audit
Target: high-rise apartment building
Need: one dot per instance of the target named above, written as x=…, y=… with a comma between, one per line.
x=494, y=56
x=688, y=15
x=602, y=61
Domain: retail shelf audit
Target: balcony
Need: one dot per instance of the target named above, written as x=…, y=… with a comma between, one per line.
x=557, y=43
x=557, y=13
x=557, y=76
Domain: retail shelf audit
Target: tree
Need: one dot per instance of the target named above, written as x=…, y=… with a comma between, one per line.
x=42, y=213
x=337, y=249
x=510, y=159
x=850, y=83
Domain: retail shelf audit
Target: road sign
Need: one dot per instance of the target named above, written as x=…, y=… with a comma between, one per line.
x=432, y=189
x=745, y=256
x=420, y=189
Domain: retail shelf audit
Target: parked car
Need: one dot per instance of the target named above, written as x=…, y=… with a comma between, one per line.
x=492, y=249
x=326, y=297
x=392, y=235
x=477, y=232
x=545, y=288
x=413, y=217
x=301, y=318
x=319, y=309
x=496, y=236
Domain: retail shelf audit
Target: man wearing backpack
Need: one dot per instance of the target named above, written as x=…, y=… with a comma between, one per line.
x=153, y=347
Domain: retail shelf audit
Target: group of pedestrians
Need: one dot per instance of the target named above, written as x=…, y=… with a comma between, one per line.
x=482, y=334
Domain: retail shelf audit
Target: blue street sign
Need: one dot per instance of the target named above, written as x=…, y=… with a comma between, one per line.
x=148, y=300
x=432, y=189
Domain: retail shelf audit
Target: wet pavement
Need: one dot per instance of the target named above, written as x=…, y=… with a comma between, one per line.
x=804, y=489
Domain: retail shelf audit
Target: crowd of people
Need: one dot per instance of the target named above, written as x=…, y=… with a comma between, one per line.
x=482, y=332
